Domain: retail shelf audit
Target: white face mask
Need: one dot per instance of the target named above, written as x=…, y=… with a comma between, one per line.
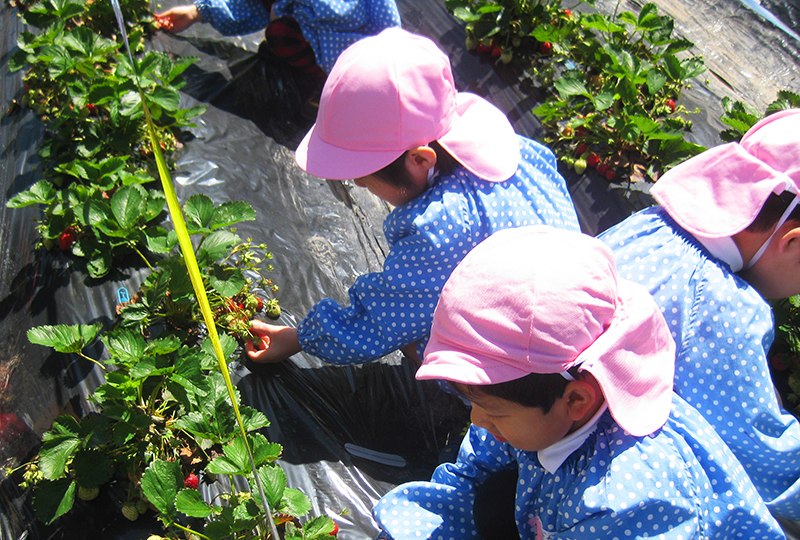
x=781, y=221
x=431, y=176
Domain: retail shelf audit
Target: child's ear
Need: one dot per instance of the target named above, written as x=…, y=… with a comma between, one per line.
x=421, y=157
x=581, y=399
x=790, y=240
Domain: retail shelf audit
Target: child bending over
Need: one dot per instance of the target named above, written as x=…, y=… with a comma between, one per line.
x=575, y=429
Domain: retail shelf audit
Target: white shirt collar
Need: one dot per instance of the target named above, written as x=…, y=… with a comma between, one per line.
x=724, y=249
x=554, y=455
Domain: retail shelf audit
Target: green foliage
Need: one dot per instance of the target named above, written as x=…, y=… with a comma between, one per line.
x=164, y=411
x=96, y=154
x=609, y=84
x=785, y=351
x=740, y=117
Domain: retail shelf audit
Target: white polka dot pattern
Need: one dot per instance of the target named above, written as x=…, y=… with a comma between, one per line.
x=428, y=237
x=330, y=26
x=679, y=483
x=723, y=329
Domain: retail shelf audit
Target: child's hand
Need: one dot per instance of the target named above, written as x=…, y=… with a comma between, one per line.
x=274, y=344
x=178, y=19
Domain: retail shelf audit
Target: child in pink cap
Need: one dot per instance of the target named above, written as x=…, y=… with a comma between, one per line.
x=725, y=238
x=391, y=119
x=569, y=371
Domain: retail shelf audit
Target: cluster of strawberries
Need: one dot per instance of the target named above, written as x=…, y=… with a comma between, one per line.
x=585, y=159
x=163, y=22
x=236, y=312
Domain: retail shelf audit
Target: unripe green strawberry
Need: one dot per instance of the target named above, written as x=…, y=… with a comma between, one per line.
x=129, y=511
x=141, y=506
x=88, y=493
x=580, y=165
x=506, y=56
x=251, y=302
x=273, y=310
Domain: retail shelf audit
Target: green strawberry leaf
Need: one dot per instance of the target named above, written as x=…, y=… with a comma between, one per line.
x=160, y=484
x=198, y=209
x=296, y=503
x=226, y=280
x=52, y=499
x=125, y=346
x=64, y=338
x=218, y=530
x=217, y=245
x=127, y=205
x=231, y=213
x=56, y=451
x=190, y=502
x=42, y=192
x=236, y=451
x=253, y=419
x=92, y=468
x=273, y=480
x=223, y=465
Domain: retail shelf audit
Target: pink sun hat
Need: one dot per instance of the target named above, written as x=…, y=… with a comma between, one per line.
x=395, y=91
x=720, y=192
x=542, y=300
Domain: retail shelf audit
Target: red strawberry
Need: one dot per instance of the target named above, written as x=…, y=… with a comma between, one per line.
x=581, y=149
x=497, y=51
x=481, y=48
x=671, y=104
x=602, y=168
x=546, y=48
x=66, y=239
x=261, y=345
x=191, y=481
x=567, y=14
x=592, y=160
x=91, y=106
x=335, y=529
x=581, y=131
x=259, y=305
x=610, y=174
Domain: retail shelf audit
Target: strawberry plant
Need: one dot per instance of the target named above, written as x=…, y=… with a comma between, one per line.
x=739, y=117
x=167, y=413
x=505, y=28
x=230, y=267
x=164, y=414
x=610, y=85
x=615, y=82
x=95, y=157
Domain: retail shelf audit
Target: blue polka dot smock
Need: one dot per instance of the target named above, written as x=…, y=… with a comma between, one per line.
x=330, y=26
x=678, y=483
x=723, y=329
x=428, y=237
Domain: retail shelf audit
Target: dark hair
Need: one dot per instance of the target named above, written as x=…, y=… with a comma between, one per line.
x=772, y=210
x=535, y=390
x=395, y=173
